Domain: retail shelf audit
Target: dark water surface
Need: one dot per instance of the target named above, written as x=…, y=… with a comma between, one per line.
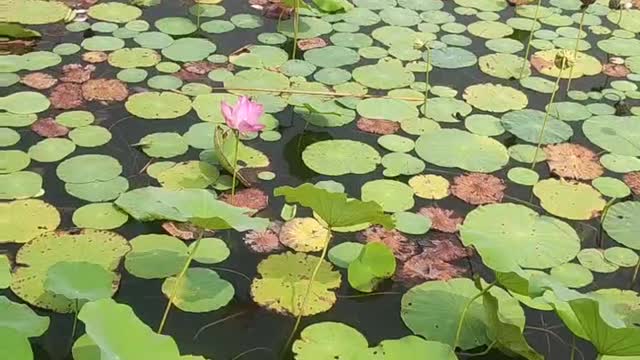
x=249, y=326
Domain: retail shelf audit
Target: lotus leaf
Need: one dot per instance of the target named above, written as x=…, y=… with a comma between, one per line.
x=114, y=12
x=344, y=254
x=585, y=65
x=572, y=275
x=210, y=251
x=153, y=40
x=537, y=241
x=445, y=109
x=452, y=58
x=74, y=119
x=90, y=136
x=374, y=264
x=14, y=345
x=88, y=168
x=13, y=160
x=617, y=134
x=309, y=27
x=36, y=257
x=158, y=105
x=101, y=216
x=51, y=150
x=570, y=200
x=387, y=109
x=20, y=185
x=22, y=220
x=102, y=43
x=5, y=272
x=433, y=310
x=340, y=157
x=17, y=120
x=20, y=318
x=155, y=256
x=611, y=187
x=490, y=29
x=188, y=175
x=244, y=81
x=284, y=278
x=329, y=340
x=594, y=260
x=398, y=163
x=134, y=58
x=495, y=98
x=622, y=223
x=24, y=102
x=504, y=66
x=385, y=75
x=304, y=235
x=200, y=290
x=621, y=256
x=119, y=334
x=259, y=56
x=473, y=152
x=189, y=49
x=98, y=191
x=528, y=124
x=391, y=195
x=79, y=280
x=35, y=12
x=153, y=203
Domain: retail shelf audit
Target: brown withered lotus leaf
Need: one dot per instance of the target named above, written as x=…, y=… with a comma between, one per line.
x=66, y=96
x=16, y=47
x=573, y=161
x=199, y=67
x=401, y=247
x=251, y=198
x=425, y=267
x=541, y=64
x=520, y=2
x=447, y=247
x=444, y=220
x=616, y=70
x=632, y=180
x=184, y=231
x=380, y=127
x=313, y=43
x=478, y=189
x=187, y=76
x=39, y=80
x=266, y=241
x=273, y=9
x=77, y=73
x=104, y=90
x=95, y=57
x=48, y=127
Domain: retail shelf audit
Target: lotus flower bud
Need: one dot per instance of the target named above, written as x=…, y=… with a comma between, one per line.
x=565, y=59
x=615, y=4
x=418, y=44
x=628, y=5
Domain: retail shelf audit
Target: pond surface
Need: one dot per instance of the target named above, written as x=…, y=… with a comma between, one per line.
x=482, y=117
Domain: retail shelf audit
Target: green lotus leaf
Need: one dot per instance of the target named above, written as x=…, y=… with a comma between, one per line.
x=200, y=290
x=433, y=310
x=329, y=340
x=340, y=157
x=586, y=65
x=536, y=241
x=259, y=56
x=572, y=275
x=22, y=220
x=620, y=47
x=308, y=27
x=528, y=124
x=14, y=345
x=51, y=150
x=189, y=175
x=163, y=145
x=35, y=12
x=504, y=66
x=98, y=191
x=5, y=272
x=119, y=334
x=385, y=75
x=90, y=136
x=153, y=203
x=621, y=256
x=617, y=134
x=20, y=185
x=446, y=109
x=472, y=152
x=133, y=58
x=36, y=257
x=88, y=168
x=176, y=26
x=114, y=12
x=344, y=253
x=13, y=160
x=495, y=98
x=210, y=251
x=158, y=105
x=20, y=318
x=284, y=278
x=374, y=264
x=387, y=109
x=622, y=223
x=189, y=49
x=411, y=346
x=594, y=260
x=452, y=58
x=155, y=256
x=391, y=195
x=79, y=280
x=102, y=43
x=569, y=200
x=24, y=102
x=256, y=79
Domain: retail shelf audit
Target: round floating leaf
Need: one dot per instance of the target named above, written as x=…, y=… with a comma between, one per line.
x=622, y=223
x=13, y=160
x=410, y=223
x=332, y=56
x=434, y=308
x=200, y=290
x=308, y=27
x=102, y=43
x=340, y=157
x=490, y=29
x=585, y=65
x=611, y=187
x=396, y=164
x=259, y=79
x=569, y=111
x=384, y=75
x=387, y=109
x=163, y=145
x=88, y=168
x=527, y=125
x=21, y=318
x=247, y=21
x=189, y=175
x=164, y=82
x=343, y=254
x=90, y=136
x=391, y=195
x=74, y=119
x=17, y=120
x=570, y=200
x=445, y=109
x=284, y=278
x=620, y=256
x=503, y=66
x=536, y=241
x=14, y=345
x=189, y=49
x=153, y=40
x=210, y=251
x=495, y=98
x=572, y=275
x=523, y=176
x=617, y=134
x=22, y=220
x=98, y=191
x=481, y=124
x=329, y=340
x=259, y=56
x=134, y=58
x=36, y=257
x=24, y=102
x=100, y=216
x=34, y=12
x=20, y=185
x=155, y=256
x=430, y=186
x=304, y=235
x=51, y=150
x=79, y=280
x=176, y=26
x=593, y=259
x=158, y=105
x=114, y=12
x=452, y=58
x=473, y=152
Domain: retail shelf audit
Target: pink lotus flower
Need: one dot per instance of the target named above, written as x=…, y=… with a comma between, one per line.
x=244, y=116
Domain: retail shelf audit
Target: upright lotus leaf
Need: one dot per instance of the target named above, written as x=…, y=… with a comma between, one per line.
x=14, y=345
x=79, y=280
x=433, y=310
x=154, y=203
x=119, y=334
x=35, y=258
x=570, y=200
x=21, y=318
x=334, y=208
x=622, y=223
x=535, y=241
x=506, y=333
x=283, y=281
x=374, y=264
x=329, y=340
x=411, y=347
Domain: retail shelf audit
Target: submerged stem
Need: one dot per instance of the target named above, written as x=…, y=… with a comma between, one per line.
x=464, y=313
x=531, y=31
x=307, y=293
x=546, y=119
x=176, y=285
x=235, y=164
x=575, y=51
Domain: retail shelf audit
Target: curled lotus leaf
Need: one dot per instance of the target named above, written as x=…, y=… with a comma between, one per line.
x=283, y=280
x=35, y=258
x=568, y=199
x=536, y=241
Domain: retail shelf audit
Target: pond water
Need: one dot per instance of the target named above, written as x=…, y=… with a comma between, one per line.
x=470, y=127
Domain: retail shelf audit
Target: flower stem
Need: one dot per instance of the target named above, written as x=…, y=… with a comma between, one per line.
x=603, y=217
x=176, y=285
x=426, y=82
x=635, y=275
x=236, y=133
x=531, y=31
x=575, y=51
x=76, y=309
x=322, y=93
x=307, y=293
x=546, y=119
x=464, y=313
x=295, y=20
